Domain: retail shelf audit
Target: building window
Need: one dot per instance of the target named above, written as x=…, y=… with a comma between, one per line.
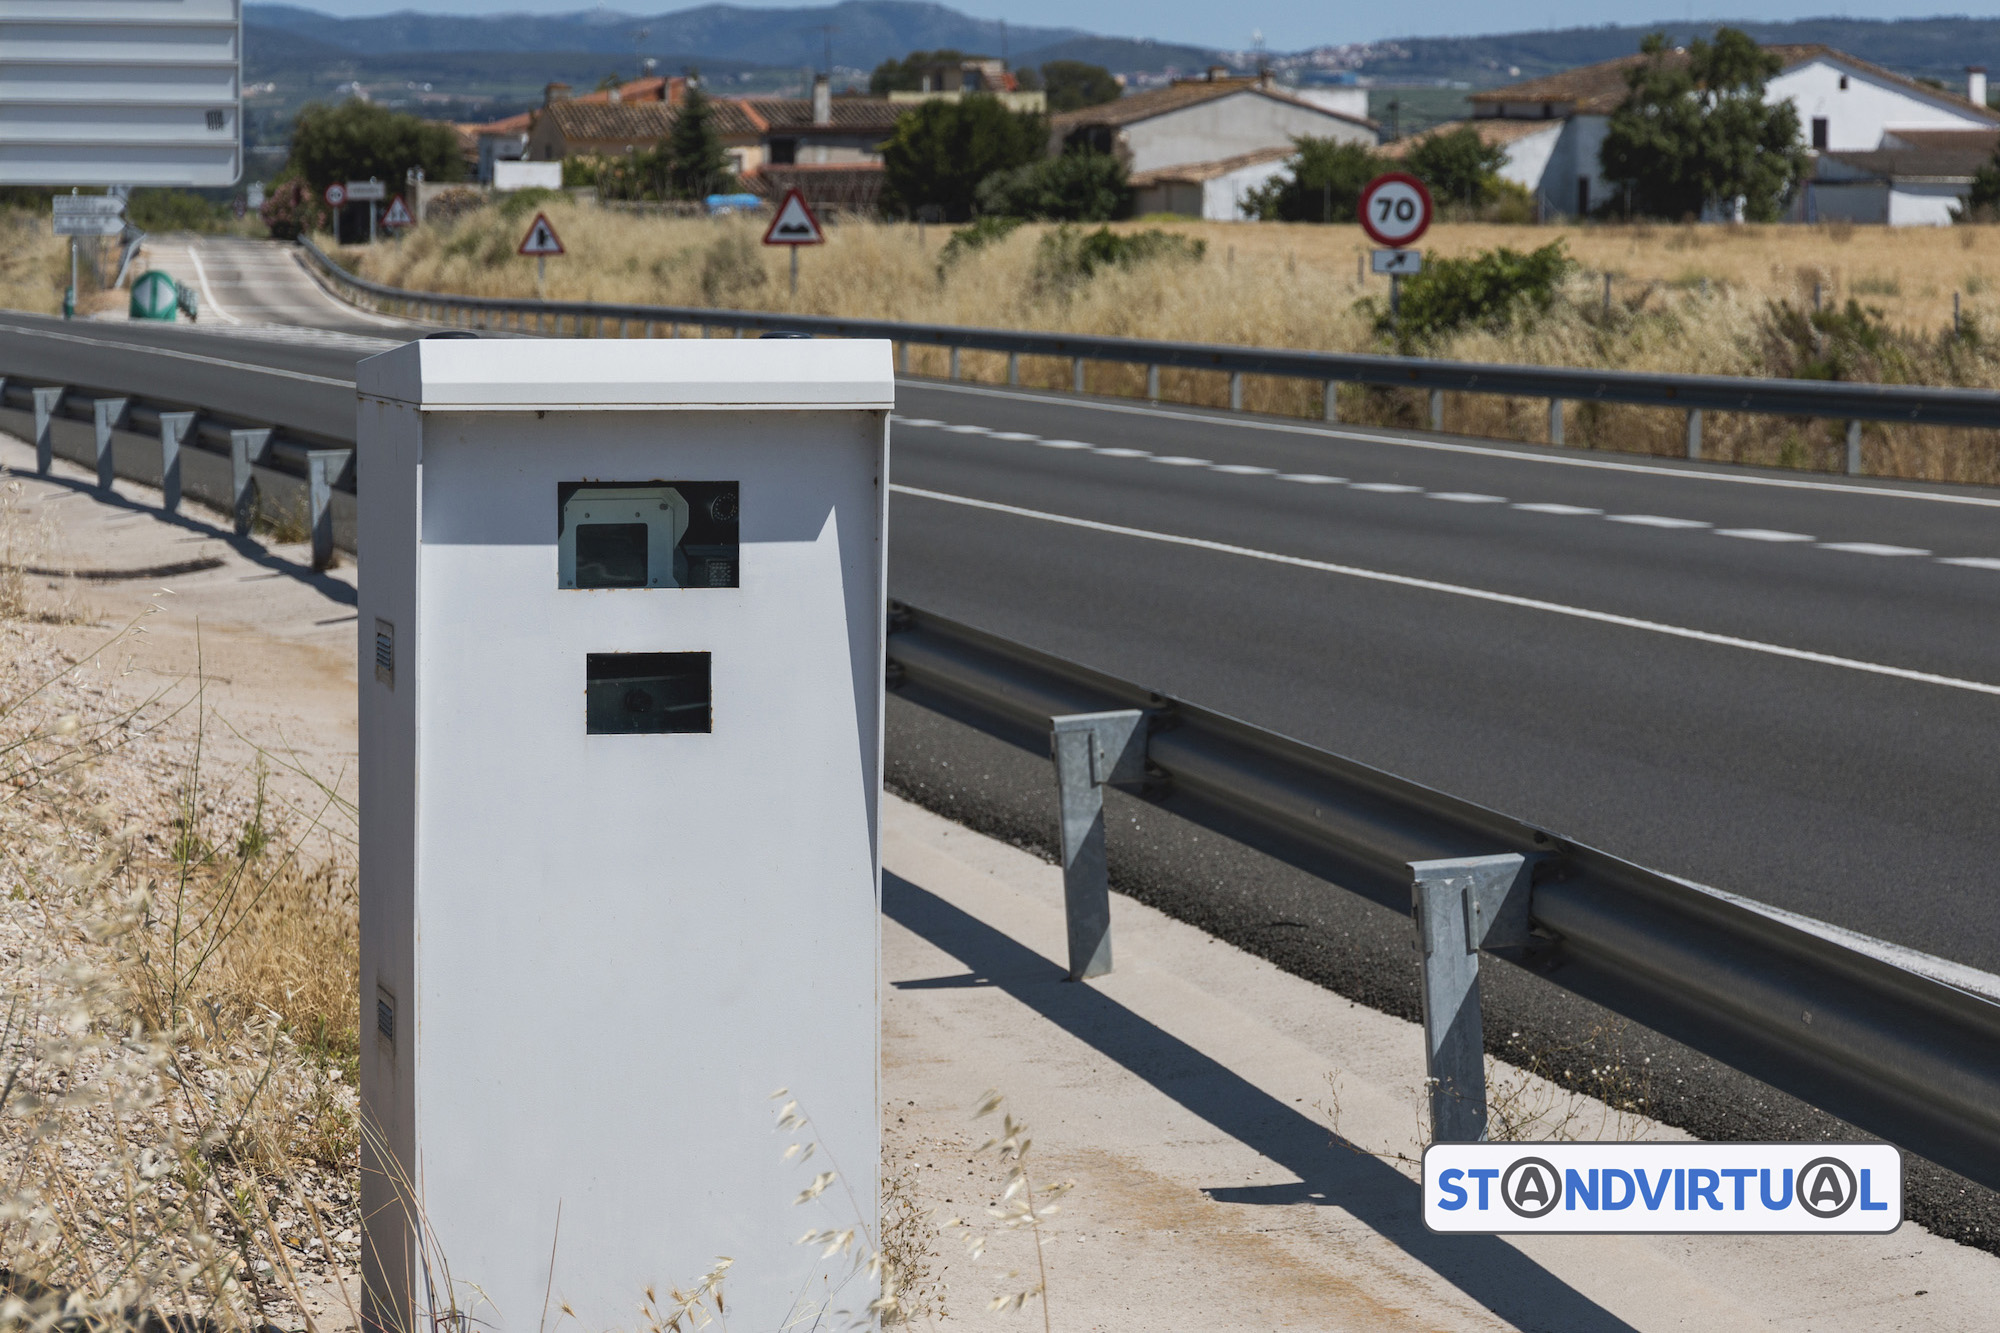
x=1583, y=196
x=1843, y=83
x=784, y=152
x=1819, y=133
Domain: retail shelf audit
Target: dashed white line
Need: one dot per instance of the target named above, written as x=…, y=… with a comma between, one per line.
x=1386, y=487
x=1018, y=435
x=1122, y=453
x=1179, y=460
x=1244, y=470
x=1468, y=497
x=1062, y=444
x=1970, y=561
x=1312, y=479
x=1558, y=509
x=1656, y=521
x=1872, y=548
x=1459, y=590
x=969, y=430
x=921, y=423
x=1763, y=535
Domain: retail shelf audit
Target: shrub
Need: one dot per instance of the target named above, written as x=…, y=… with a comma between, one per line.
x=448, y=207
x=730, y=267
x=1079, y=186
x=1491, y=289
x=1459, y=167
x=1323, y=183
x=1068, y=257
x=1075, y=84
x=174, y=210
x=520, y=203
x=941, y=151
x=967, y=240
x=1850, y=342
x=291, y=209
x=360, y=141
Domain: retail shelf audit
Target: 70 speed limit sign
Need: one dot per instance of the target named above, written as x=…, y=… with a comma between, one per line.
x=1395, y=209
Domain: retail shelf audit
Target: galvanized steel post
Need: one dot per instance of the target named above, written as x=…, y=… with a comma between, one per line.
x=954, y=364
x=322, y=466
x=1437, y=409
x=1153, y=383
x=1235, y=391
x=1332, y=398
x=174, y=428
x=47, y=400
x=106, y=416
x=1694, y=432
x=1091, y=749
x=1853, y=448
x=1013, y=367
x=1555, y=421
x=1460, y=905
x=246, y=447
x=1076, y=373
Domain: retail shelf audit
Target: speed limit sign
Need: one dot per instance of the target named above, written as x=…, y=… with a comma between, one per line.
x=1395, y=209
x=336, y=194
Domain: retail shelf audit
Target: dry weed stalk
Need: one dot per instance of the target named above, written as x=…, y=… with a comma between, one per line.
x=1023, y=1205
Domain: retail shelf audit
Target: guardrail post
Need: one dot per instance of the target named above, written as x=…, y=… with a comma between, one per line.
x=47, y=401
x=1091, y=749
x=1332, y=399
x=1694, y=432
x=1013, y=367
x=902, y=358
x=624, y=327
x=1555, y=421
x=107, y=415
x=174, y=428
x=649, y=330
x=322, y=466
x=245, y=448
x=1460, y=905
x=1437, y=409
x=1076, y=373
x=1152, y=384
x=1853, y=448
x=953, y=374
x=1236, y=391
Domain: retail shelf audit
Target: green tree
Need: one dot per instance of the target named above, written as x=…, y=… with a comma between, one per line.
x=1323, y=183
x=941, y=151
x=1694, y=131
x=696, y=166
x=1073, y=85
x=1491, y=290
x=1983, y=203
x=907, y=75
x=361, y=141
x=1079, y=186
x=1459, y=167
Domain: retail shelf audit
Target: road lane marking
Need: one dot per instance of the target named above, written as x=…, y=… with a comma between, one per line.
x=1656, y=521
x=1970, y=561
x=968, y=430
x=1460, y=590
x=1312, y=479
x=50, y=335
x=1763, y=535
x=1386, y=487
x=921, y=423
x=1179, y=460
x=1467, y=497
x=1600, y=464
x=1019, y=436
x=1558, y=509
x=1063, y=444
x=1244, y=470
x=1872, y=548
x=1120, y=452
x=208, y=292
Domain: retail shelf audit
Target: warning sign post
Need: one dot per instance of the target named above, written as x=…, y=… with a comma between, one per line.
x=397, y=216
x=541, y=242
x=794, y=226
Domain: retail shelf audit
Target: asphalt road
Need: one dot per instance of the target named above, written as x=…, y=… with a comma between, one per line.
x=1782, y=685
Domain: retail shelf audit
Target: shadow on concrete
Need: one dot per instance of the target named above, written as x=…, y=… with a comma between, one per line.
x=1330, y=1170
x=324, y=584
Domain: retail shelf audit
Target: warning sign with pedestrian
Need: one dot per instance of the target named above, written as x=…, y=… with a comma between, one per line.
x=541, y=239
x=397, y=216
x=795, y=223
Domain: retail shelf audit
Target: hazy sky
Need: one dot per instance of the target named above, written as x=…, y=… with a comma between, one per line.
x=1286, y=24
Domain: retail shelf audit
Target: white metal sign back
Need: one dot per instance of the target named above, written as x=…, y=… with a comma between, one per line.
x=121, y=92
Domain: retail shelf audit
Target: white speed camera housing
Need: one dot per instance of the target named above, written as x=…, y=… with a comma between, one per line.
x=621, y=711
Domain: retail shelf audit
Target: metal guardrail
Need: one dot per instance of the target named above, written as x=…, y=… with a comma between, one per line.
x=1895, y=1053
x=1693, y=394
x=265, y=467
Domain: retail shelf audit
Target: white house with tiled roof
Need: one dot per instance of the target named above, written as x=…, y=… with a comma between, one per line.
x=1205, y=141
x=1845, y=105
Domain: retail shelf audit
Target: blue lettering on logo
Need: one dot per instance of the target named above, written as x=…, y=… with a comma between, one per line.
x=1455, y=1193
x=1784, y=1199
x=1483, y=1175
x=1613, y=1176
x=1867, y=1204
x=1739, y=1174
x=1574, y=1189
x=1702, y=1184
x=1654, y=1197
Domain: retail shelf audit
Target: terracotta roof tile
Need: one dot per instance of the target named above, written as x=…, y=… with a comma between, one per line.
x=1195, y=172
x=1174, y=97
x=870, y=115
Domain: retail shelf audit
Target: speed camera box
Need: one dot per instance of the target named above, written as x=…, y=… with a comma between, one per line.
x=621, y=713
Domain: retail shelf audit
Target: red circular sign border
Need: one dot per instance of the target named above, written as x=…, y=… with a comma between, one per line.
x=1423, y=193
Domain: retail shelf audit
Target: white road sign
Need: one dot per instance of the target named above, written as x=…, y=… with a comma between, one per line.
x=1403, y=262
x=362, y=192
x=121, y=92
x=795, y=223
x=397, y=215
x=336, y=195
x=91, y=205
x=89, y=224
x=541, y=239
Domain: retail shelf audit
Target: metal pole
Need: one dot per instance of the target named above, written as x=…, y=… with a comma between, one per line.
x=1153, y=383
x=69, y=298
x=321, y=466
x=1694, y=432
x=1013, y=367
x=1091, y=749
x=1607, y=294
x=1076, y=373
x=1853, y=448
x=541, y=284
x=954, y=364
x=795, y=269
x=174, y=428
x=1957, y=328
x=1555, y=421
x=1395, y=304
x=47, y=400
x=1460, y=905
x=1236, y=391
x=245, y=448
x=1437, y=409
x=1332, y=399
x=107, y=414
x=371, y=222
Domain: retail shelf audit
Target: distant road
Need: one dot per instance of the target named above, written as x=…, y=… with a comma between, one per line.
x=1783, y=685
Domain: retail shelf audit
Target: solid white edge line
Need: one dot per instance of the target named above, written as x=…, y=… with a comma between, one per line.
x=1460, y=590
x=1444, y=446
x=208, y=292
x=168, y=352
x=367, y=316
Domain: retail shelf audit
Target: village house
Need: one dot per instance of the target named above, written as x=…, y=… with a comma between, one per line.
x=1885, y=148
x=1199, y=146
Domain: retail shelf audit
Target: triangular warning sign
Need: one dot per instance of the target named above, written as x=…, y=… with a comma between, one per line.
x=541, y=238
x=795, y=223
x=398, y=215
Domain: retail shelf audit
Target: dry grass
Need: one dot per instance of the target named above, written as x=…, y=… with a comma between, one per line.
x=34, y=264
x=1685, y=299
